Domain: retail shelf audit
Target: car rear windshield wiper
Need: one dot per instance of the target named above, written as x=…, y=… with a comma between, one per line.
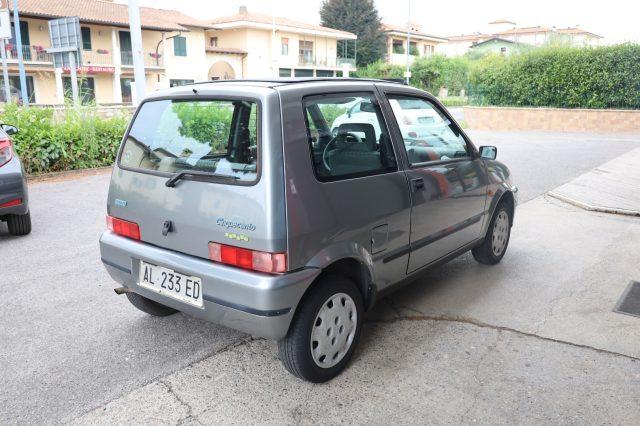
x=171, y=182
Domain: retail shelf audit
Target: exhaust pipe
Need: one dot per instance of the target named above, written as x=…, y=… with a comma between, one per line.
x=122, y=290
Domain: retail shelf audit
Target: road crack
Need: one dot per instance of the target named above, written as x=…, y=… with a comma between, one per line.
x=181, y=401
x=419, y=316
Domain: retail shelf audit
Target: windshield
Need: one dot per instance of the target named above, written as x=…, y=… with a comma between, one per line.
x=212, y=136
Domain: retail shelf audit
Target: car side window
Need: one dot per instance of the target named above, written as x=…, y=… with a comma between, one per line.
x=347, y=136
x=427, y=133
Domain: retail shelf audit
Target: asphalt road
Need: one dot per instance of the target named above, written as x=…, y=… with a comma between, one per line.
x=69, y=344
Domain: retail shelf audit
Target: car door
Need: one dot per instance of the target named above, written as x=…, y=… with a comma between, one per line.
x=446, y=180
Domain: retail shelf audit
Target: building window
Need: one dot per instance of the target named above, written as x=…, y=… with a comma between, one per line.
x=213, y=41
x=303, y=73
x=86, y=90
x=285, y=72
x=324, y=73
x=397, y=46
x=179, y=82
x=125, y=89
x=24, y=32
x=503, y=50
x=306, y=52
x=14, y=88
x=284, y=46
x=413, y=49
x=86, y=38
x=428, y=50
x=180, y=46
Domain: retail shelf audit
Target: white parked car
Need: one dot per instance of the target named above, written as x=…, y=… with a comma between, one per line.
x=415, y=121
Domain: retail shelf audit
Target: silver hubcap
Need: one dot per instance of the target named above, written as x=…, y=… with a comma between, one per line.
x=500, y=235
x=333, y=330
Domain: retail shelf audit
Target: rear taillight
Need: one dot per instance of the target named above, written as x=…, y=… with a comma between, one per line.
x=11, y=203
x=248, y=259
x=6, y=152
x=123, y=227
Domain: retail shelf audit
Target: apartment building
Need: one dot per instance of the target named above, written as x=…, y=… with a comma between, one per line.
x=507, y=31
x=250, y=44
x=173, y=46
x=177, y=49
x=420, y=43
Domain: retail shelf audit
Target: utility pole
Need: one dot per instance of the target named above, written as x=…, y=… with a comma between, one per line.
x=407, y=73
x=23, y=77
x=136, y=47
x=5, y=34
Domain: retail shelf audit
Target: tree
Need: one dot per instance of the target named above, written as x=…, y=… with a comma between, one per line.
x=361, y=18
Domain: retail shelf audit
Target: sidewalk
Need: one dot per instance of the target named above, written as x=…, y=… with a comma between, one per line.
x=613, y=187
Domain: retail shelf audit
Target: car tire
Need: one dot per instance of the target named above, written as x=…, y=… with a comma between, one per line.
x=19, y=224
x=149, y=306
x=325, y=330
x=494, y=246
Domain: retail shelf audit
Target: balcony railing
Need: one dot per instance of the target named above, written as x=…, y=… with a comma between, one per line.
x=151, y=59
x=350, y=61
x=97, y=57
x=29, y=53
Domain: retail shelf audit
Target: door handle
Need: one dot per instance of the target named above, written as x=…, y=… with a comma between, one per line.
x=417, y=184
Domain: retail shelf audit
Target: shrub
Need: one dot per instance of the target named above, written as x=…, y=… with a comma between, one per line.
x=433, y=72
x=78, y=139
x=601, y=77
x=381, y=70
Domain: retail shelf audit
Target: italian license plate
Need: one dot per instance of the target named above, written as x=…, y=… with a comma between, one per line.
x=185, y=288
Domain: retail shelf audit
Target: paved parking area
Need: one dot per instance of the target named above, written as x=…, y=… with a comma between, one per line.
x=71, y=345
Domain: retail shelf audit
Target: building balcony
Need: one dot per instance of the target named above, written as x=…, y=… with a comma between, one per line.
x=324, y=62
x=151, y=59
x=31, y=54
x=97, y=57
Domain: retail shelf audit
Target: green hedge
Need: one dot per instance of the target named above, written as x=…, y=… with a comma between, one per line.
x=428, y=73
x=602, y=77
x=76, y=140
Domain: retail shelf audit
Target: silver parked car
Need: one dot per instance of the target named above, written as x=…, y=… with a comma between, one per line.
x=14, y=197
x=235, y=202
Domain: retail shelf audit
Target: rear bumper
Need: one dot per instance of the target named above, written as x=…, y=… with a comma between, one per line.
x=260, y=304
x=13, y=185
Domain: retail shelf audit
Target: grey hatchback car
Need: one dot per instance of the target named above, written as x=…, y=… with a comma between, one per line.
x=14, y=197
x=235, y=202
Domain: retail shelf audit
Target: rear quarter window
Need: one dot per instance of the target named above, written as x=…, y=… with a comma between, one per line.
x=214, y=136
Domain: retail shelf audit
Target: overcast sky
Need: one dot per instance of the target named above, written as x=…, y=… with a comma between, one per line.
x=616, y=20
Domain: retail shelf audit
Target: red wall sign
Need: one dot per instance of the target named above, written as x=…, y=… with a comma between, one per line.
x=91, y=69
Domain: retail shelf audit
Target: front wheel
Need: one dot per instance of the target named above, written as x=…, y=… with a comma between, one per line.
x=495, y=243
x=324, y=331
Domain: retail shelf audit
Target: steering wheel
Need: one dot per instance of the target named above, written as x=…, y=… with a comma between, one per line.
x=340, y=137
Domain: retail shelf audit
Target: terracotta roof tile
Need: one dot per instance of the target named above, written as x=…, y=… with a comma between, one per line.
x=401, y=29
x=108, y=13
x=268, y=19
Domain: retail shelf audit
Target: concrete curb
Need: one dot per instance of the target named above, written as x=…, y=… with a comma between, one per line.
x=592, y=208
x=66, y=175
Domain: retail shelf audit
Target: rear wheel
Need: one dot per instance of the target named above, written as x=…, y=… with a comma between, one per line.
x=324, y=331
x=19, y=224
x=149, y=306
x=495, y=243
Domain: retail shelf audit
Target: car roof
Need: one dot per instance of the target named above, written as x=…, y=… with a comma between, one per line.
x=275, y=82
x=261, y=86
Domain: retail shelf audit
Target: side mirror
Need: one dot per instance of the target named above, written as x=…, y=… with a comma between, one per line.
x=9, y=129
x=367, y=107
x=488, y=152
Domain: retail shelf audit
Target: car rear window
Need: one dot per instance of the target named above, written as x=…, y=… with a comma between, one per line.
x=213, y=136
